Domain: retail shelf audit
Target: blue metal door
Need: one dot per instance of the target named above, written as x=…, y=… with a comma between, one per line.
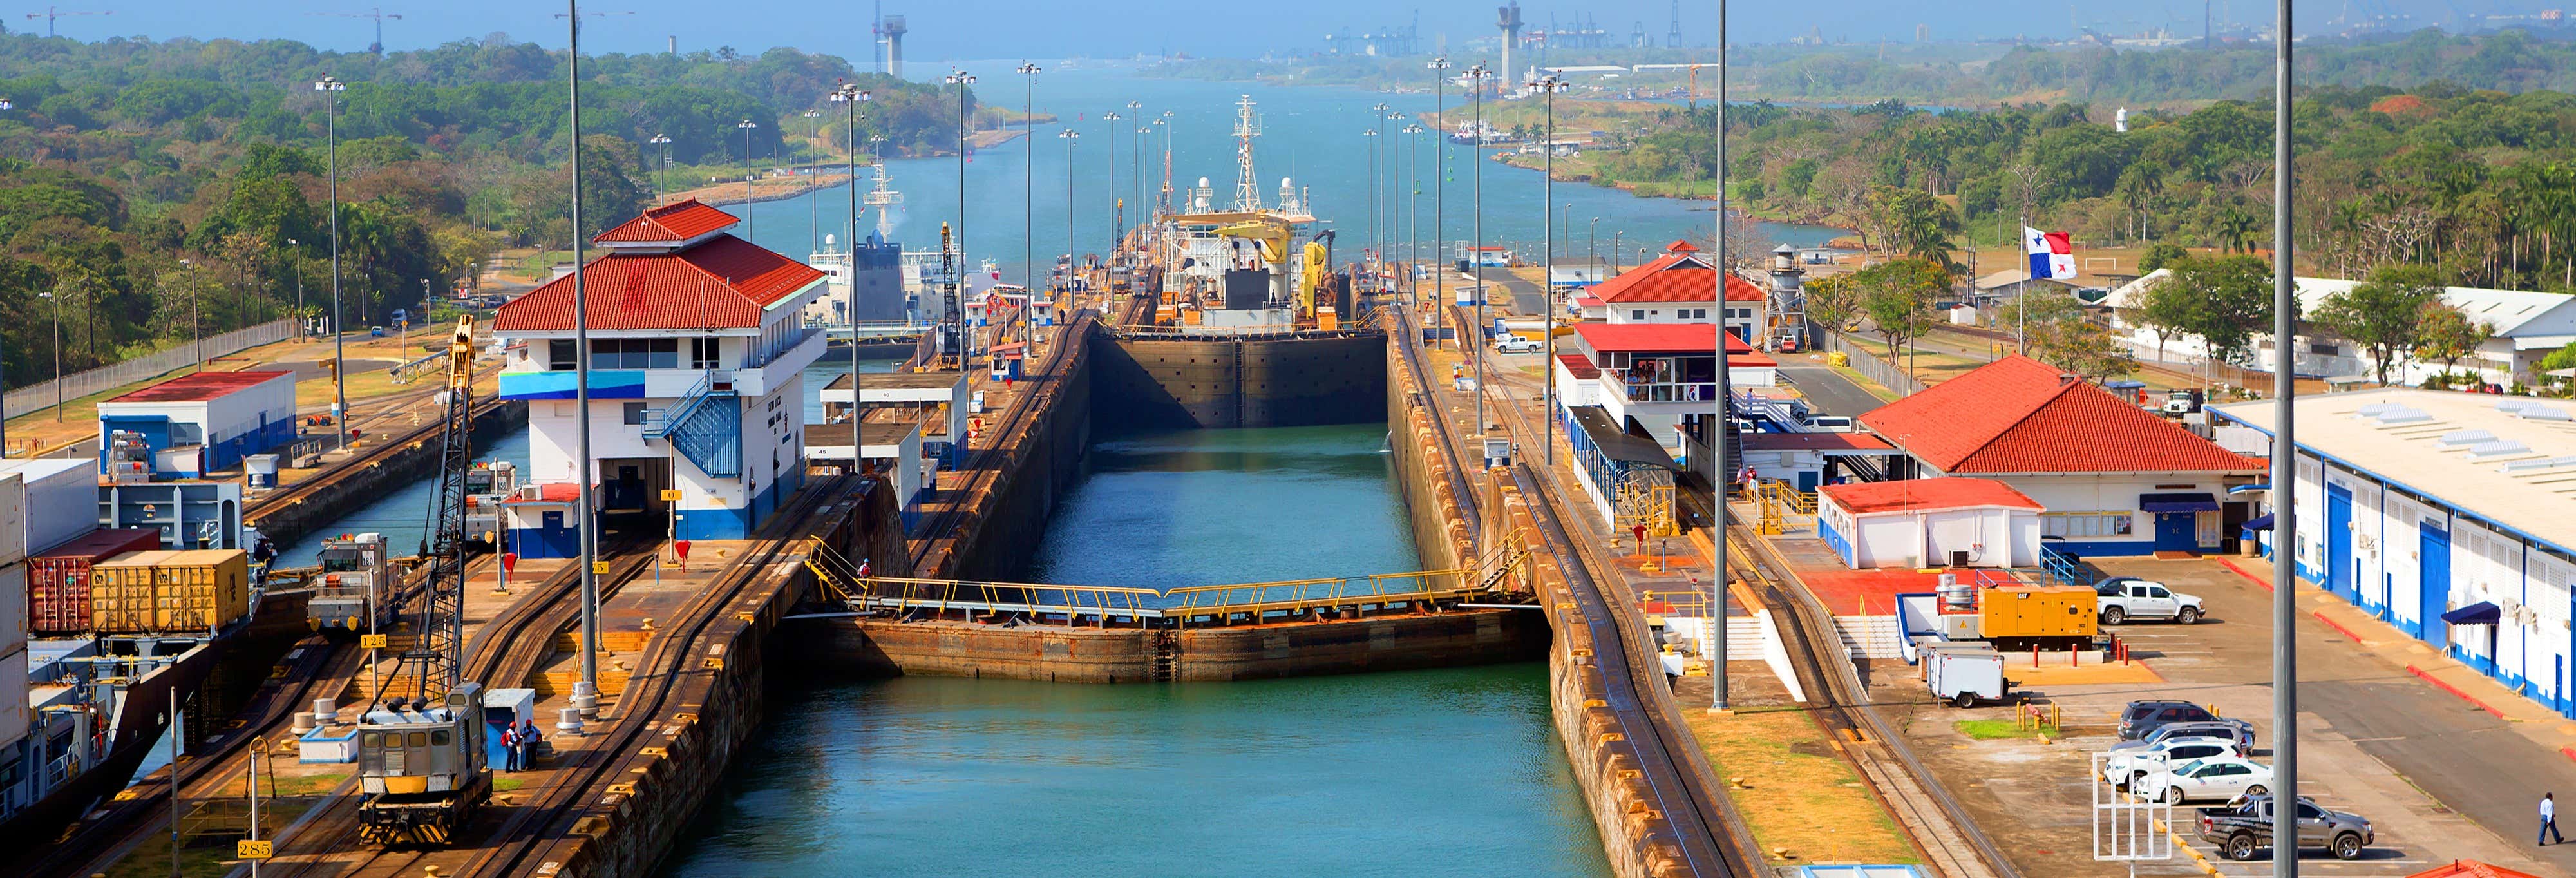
x=2434, y=589
x=2176, y=532
x=2339, y=542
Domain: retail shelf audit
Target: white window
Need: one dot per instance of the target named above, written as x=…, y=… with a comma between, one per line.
x=2084, y=524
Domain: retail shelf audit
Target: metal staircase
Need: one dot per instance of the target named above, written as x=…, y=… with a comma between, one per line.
x=704, y=425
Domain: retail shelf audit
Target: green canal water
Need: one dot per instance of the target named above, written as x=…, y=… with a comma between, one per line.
x=1416, y=773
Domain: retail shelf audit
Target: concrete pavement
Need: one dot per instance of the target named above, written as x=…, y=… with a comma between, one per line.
x=1827, y=391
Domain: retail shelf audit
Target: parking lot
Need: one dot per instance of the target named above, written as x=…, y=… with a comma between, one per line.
x=2439, y=778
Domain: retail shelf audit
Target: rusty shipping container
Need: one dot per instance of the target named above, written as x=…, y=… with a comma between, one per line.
x=58, y=581
x=170, y=591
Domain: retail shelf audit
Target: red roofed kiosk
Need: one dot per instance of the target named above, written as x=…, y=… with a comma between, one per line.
x=1680, y=287
x=2117, y=479
x=1957, y=522
x=697, y=341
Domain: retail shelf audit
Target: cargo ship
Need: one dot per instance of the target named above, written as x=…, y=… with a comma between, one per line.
x=119, y=634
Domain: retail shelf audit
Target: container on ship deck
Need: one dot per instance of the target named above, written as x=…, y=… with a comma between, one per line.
x=121, y=592
x=201, y=590
x=58, y=581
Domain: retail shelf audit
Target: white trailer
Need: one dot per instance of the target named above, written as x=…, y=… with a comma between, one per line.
x=1964, y=675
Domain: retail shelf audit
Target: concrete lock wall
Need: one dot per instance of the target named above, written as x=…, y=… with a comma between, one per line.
x=1440, y=530
x=879, y=647
x=1042, y=464
x=1640, y=842
x=1219, y=383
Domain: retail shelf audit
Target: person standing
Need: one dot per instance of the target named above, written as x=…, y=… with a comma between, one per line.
x=510, y=747
x=528, y=738
x=2548, y=821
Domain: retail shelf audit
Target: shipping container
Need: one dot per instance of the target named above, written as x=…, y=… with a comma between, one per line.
x=2056, y=615
x=201, y=590
x=60, y=496
x=58, y=581
x=13, y=606
x=122, y=591
x=13, y=697
x=13, y=520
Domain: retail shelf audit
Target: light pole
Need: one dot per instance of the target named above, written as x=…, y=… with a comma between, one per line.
x=2285, y=320
x=1593, y=247
x=1550, y=85
x=1069, y=136
x=1394, y=229
x=196, y=337
x=1028, y=196
x=1476, y=252
x=58, y=354
x=1136, y=153
x=1439, y=185
x=1385, y=186
x=585, y=691
x=331, y=87
x=852, y=96
x=661, y=163
x=814, y=204
x=295, y=265
x=1413, y=217
x=1376, y=215
x=1113, y=119
x=1615, y=235
x=961, y=79
x=747, y=195
x=1720, y=429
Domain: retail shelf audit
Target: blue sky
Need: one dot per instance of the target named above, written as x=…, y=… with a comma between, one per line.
x=944, y=29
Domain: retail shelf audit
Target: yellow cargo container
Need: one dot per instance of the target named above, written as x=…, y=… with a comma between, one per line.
x=2027, y=614
x=122, y=591
x=163, y=591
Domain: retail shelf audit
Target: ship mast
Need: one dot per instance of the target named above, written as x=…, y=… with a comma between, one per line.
x=883, y=198
x=1247, y=185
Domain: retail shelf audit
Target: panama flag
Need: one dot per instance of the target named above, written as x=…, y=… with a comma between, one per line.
x=2051, y=253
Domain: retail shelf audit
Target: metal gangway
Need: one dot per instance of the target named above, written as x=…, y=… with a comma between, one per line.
x=1418, y=592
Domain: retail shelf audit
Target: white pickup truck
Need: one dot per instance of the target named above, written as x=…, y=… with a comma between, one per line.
x=2122, y=598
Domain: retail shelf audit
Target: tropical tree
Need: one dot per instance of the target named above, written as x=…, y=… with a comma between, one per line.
x=2447, y=334
x=2235, y=301
x=2381, y=314
x=2168, y=309
x=1833, y=302
x=1898, y=296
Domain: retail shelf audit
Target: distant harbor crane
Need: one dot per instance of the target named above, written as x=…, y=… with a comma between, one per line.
x=377, y=13
x=52, y=13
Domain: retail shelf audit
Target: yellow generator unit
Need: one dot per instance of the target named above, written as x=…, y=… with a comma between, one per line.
x=2047, y=616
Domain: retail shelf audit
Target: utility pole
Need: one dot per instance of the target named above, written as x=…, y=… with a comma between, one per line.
x=661, y=164
x=1476, y=253
x=1721, y=428
x=966, y=337
x=1550, y=85
x=1069, y=136
x=196, y=334
x=748, y=223
x=1413, y=218
x=1113, y=119
x=2285, y=452
x=1439, y=185
x=853, y=96
x=585, y=692
x=331, y=87
x=1028, y=200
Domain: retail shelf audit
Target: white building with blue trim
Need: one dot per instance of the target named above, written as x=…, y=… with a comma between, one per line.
x=697, y=348
x=2451, y=516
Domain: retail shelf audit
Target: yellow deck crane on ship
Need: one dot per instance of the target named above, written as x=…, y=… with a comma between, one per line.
x=1273, y=234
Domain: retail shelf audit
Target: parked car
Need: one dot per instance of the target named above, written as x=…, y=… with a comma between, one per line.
x=2126, y=766
x=1829, y=423
x=2241, y=828
x=2217, y=777
x=2142, y=718
x=2235, y=731
x=2122, y=598
x=1513, y=344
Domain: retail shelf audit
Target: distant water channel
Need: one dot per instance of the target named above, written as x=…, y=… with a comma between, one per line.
x=1416, y=773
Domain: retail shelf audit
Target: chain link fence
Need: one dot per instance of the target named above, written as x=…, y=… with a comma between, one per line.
x=1870, y=366
x=75, y=386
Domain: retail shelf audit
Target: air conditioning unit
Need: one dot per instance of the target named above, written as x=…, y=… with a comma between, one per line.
x=531, y=492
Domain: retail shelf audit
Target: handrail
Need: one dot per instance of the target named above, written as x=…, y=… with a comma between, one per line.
x=658, y=423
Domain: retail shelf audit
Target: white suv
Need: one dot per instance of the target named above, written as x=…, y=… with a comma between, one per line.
x=1513, y=344
x=2120, y=599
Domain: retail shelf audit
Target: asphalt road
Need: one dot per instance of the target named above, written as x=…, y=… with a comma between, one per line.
x=1527, y=299
x=1828, y=391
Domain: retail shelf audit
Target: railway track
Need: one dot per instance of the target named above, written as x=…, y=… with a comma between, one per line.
x=1840, y=701
x=945, y=524
x=1672, y=765
x=1409, y=338
x=295, y=493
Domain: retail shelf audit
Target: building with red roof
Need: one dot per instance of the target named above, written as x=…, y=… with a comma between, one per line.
x=2117, y=479
x=1649, y=377
x=1681, y=287
x=1953, y=522
x=696, y=338
x=195, y=424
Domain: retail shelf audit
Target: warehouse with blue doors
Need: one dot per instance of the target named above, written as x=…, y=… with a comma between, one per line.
x=2449, y=515
x=195, y=424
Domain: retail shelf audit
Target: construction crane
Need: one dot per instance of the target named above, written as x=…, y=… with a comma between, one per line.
x=1273, y=235
x=421, y=766
x=377, y=47
x=52, y=13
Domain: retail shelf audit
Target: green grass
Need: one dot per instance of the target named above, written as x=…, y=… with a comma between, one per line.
x=503, y=783
x=1999, y=729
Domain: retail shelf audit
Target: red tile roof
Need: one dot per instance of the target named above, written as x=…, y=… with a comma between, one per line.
x=1680, y=246
x=1579, y=366
x=1814, y=442
x=2470, y=869
x=2014, y=415
x=199, y=387
x=1656, y=337
x=1676, y=276
x=1909, y=495
x=670, y=223
x=723, y=282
